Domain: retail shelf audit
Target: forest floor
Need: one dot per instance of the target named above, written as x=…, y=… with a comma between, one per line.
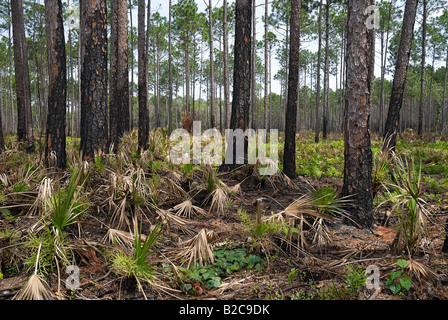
x=269, y=263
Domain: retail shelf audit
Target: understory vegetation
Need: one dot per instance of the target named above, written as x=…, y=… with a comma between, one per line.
x=139, y=227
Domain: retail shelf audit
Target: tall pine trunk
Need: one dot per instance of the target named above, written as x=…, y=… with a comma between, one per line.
x=289, y=161
x=319, y=54
x=422, y=72
x=143, y=110
x=326, y=70
x=242, y=71
x=23, y=93
x=266, y=63
x=227, y=108
x=56, y=116
x=212, y=69
x=170, y=66
x=401, y=68
x=254, y=64
x=119, y=73
x=94, y=124
x=357, y=151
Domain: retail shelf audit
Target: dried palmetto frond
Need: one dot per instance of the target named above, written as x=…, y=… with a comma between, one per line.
x=322, y=234
x=419, y=270
x=124, y=239
x=186, y=209
x=4, y=179
x=235, y=190
x=34, y=289
x=304, y=205
x=44, y=194
x=219, y=201
x=199, y=249
x=174, y=221
x=120, y=217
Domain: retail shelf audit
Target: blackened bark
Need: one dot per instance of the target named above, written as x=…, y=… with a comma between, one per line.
x=119, y=75
x=242, y=75
x=212, y=70
x=23, y=93
x=358, y=154
x=326, y=108
x=2, y=141
x=242, y=71
x=227, y=109
x=266, y=63
x=94, y=124
x=319, y=54
x=143, y=111
x=289, y=161
x=401, y=69
x=170, y=66
x=56, y=114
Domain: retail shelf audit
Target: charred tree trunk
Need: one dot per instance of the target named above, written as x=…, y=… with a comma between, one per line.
x=227, y=108
x=358, y=154
x=131, y=95
x=326, y=71
x=242, y=75
x=319, y=53
x=254, y=65
x=170, y=65
x=266, y=63
x=212, y=69
x=242, y=71
x=94, y=124
x=119, y=75
x=56, y=116
x=2, y=141
x=401, y=68
x=143, y=110
x=23, y=93
x=289, y=161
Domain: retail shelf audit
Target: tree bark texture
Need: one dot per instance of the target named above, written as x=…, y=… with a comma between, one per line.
x=227, y=108
x=242, y=70
x=23, y=93
x=56, y=114
x=326, y=107
x=401, y=69
x=357, y=152
x=170, y=66
x=143, y=110
x=319, y=54
x=289, y=161
x=94, y=124
x=212, y=70
x=119, y=75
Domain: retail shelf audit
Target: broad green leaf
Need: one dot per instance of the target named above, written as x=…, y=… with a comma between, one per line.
x=406, y=284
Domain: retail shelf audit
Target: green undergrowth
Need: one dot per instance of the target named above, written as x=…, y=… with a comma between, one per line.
x=226, y=263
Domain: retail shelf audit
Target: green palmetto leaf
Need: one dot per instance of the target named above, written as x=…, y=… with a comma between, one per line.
x=143, y=250
x=64, y=208
x=408, y=201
